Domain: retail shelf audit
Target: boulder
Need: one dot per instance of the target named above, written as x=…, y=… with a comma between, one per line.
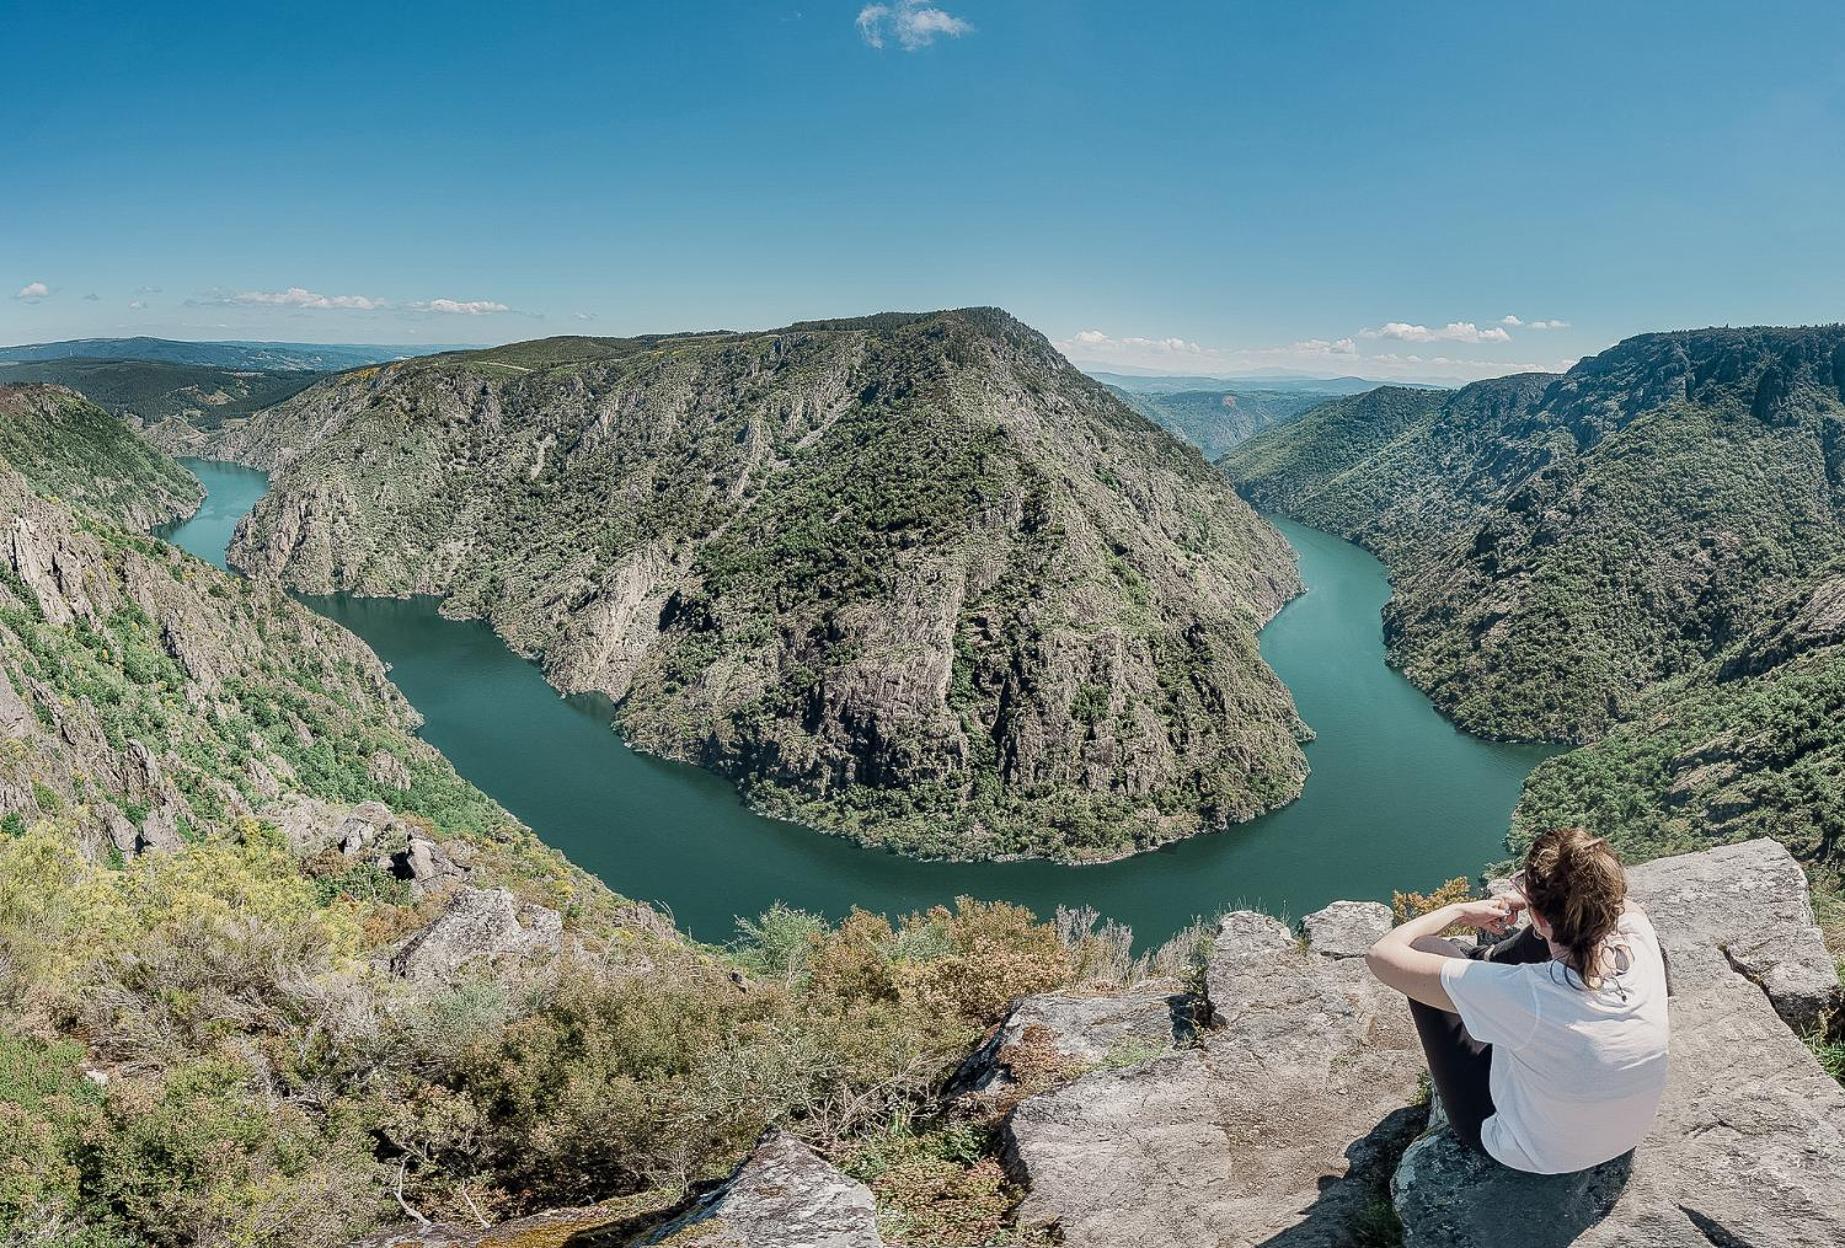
x=1082, y=1032
x=479, y=925
x=1347, y=929
x=1749, y=1147
x=1278, y=1128
x=784, y=1196
x=1741, y=909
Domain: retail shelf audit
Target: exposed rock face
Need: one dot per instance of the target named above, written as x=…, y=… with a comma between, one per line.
x=1750, y=1143
x=909, y=578
x=479, y=925
x=784, y=1196
x=1278, y=1128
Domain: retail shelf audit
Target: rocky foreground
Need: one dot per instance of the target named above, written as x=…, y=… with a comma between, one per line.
x=1294, y=1117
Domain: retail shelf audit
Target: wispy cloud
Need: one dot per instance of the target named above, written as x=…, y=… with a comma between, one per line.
x=458, y=307
x=92, y=297
x=583, y=316
x=1182, y=356
x=1453, y=331
x=147, y=290
x=298, y=297
x=301, y=298
x=914, y=24
x=32, y=292
x=136, y=305
x=1515, y=323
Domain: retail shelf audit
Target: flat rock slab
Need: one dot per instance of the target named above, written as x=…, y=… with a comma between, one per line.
x=1749, y=1148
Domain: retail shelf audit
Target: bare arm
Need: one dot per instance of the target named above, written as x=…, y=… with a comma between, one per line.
x=1416, y=973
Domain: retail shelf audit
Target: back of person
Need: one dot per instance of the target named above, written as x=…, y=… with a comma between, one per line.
x=1578, y=1068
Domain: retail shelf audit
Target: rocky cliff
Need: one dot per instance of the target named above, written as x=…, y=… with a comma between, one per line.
x=909, y=578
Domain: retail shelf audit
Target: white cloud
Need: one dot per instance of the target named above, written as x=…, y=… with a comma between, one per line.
x=1308, y=355
x=296, y=297
x=147, y=290
x=1453, y=331
x=583, y=316
x=456, y=307
x=135, y=305
x=1515, y=323
x=32, y=292
x=913, y=24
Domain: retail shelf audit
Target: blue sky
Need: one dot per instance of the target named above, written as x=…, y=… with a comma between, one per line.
x=1209, y=187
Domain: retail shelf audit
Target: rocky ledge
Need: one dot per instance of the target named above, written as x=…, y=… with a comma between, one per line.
x=1286, y=1123
x=1284, y=1107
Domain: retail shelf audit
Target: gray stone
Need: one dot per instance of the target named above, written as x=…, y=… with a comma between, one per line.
x=1741, y=909
x=1087, y=1031
x=1347, y=929
x=479, y=925
x=1277, y=1130
x=784, y=1196
x=1749, y=1147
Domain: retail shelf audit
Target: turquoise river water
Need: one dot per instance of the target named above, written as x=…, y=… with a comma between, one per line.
x=1397, y=798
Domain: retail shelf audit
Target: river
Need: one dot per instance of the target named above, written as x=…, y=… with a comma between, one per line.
x=1397, y=798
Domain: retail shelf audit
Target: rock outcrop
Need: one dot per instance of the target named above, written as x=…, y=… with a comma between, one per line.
x=1293, y=1119
x=480, y=925
x=1750, y=1143
x=784, y=1196
x=1277, y=1127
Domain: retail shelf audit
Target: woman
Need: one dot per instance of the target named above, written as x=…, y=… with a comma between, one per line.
x=1549, y=1047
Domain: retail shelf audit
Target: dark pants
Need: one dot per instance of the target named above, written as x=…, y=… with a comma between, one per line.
x=1460, y=1066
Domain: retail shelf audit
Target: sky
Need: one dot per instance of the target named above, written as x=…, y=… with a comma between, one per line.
x=1430, y=190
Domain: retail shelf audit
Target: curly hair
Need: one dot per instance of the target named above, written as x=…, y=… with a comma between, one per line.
x=1575, y=881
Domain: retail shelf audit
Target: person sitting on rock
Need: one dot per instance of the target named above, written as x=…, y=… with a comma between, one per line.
x=1548, y=1047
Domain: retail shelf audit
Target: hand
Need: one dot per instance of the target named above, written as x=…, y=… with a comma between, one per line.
x=1514, y=900
x=1492, y=915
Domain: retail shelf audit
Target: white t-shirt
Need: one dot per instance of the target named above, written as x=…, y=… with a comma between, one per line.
x=1577, y=1073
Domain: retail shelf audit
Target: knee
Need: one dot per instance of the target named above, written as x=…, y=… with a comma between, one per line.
x=1439, y=945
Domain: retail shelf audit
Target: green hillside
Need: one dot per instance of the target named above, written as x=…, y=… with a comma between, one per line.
x=1558, y=544
x=910, y=578
x=70, y=448
x=151, y=391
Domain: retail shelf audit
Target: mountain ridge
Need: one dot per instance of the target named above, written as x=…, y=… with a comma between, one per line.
x=910, y=577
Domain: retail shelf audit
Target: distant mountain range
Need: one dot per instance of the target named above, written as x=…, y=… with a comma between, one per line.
x=258, y=356
x=1216, y=421
x=1168, y=383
